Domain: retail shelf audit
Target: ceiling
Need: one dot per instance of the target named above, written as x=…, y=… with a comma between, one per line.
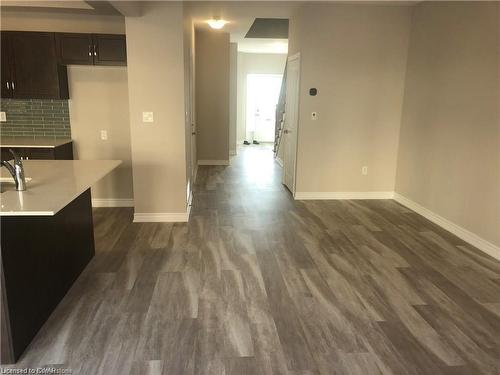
x=60, y=6
x=76, y=4
x=239, y=14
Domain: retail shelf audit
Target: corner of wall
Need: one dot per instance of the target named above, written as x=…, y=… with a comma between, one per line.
x=404, y=96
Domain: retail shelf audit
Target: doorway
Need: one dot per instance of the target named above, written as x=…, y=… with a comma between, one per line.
x=263, y=92
x=291, y=122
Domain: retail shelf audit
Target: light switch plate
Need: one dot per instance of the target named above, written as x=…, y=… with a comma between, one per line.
x=3, y=116
x=147, y=117
x=104, y=135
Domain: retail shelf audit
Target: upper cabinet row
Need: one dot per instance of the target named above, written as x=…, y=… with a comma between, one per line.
x=91, y=49
x=33, y=64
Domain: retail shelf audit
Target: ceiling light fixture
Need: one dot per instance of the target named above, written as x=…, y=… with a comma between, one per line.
x=216, y=23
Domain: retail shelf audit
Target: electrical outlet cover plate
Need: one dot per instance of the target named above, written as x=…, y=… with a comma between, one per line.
x=314, y=116
x=147, y=117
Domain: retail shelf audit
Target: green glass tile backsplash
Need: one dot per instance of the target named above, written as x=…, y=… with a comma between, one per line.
x=38, y=118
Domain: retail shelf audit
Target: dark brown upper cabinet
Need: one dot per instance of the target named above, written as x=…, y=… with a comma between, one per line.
x=75, y=48
x=91, y=49
x=110, y=49
x=29, y=67
x=5, y=66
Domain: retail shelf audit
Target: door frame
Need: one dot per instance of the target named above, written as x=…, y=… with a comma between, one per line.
x=291, y=58
x=192, y=116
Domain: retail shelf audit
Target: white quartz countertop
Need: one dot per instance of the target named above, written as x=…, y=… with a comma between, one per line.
x=53, y=184
x=32, y=142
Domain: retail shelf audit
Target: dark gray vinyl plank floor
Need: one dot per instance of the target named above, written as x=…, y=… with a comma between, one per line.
x=257, y=283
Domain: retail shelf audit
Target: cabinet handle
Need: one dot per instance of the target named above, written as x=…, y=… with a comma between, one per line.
x=95, y=52
x=13, y=86
x=8, y=86
x=90, y=50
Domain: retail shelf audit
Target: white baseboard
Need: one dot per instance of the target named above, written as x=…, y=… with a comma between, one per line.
x=162, y=217
x=279, y=161
x=307, y=195
x=457, y=230
x=213, y=162
x=120, y=202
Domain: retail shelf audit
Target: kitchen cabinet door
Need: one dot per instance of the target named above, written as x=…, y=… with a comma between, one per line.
x=110, y=49
x=36, y=73
x=6, y=66
x=73, y=48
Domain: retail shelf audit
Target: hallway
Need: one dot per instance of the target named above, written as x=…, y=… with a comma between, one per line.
x=257, y=283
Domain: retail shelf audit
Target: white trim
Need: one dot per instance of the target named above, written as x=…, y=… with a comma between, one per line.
x=457, y=230
x=325, y=195
x=293, y=189
x=195, y=175
x=162, y=217
x=279, y=161
x=119, y=202
x=189, y=204
x=213, y=162
x=294, y=56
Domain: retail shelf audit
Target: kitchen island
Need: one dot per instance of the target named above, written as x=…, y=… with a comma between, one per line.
x=47, y=239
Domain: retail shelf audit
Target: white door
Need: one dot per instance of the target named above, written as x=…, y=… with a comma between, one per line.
x=192, y=116
x=289, y=140
x=263, y=91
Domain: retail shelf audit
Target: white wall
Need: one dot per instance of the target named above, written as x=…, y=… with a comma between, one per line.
x=100, y=102
x=355, y=55
x=27, y=20
x=155, y=52
x=253, y=63
x=449, y=153
x=212, y=96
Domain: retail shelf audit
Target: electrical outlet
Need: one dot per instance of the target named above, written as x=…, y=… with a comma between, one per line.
x=147, y=117
x=314, y=116
x=104, y=135
x=364, y=170
x=3, y=116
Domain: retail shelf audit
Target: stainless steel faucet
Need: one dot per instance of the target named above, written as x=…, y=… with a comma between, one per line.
x=16, y=170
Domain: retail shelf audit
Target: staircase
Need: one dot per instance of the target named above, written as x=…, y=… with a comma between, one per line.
x=280, y=116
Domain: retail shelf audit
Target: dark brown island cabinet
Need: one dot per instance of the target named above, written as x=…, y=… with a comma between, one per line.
x=58, y=152
x=47, y=241
x=42, y=256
